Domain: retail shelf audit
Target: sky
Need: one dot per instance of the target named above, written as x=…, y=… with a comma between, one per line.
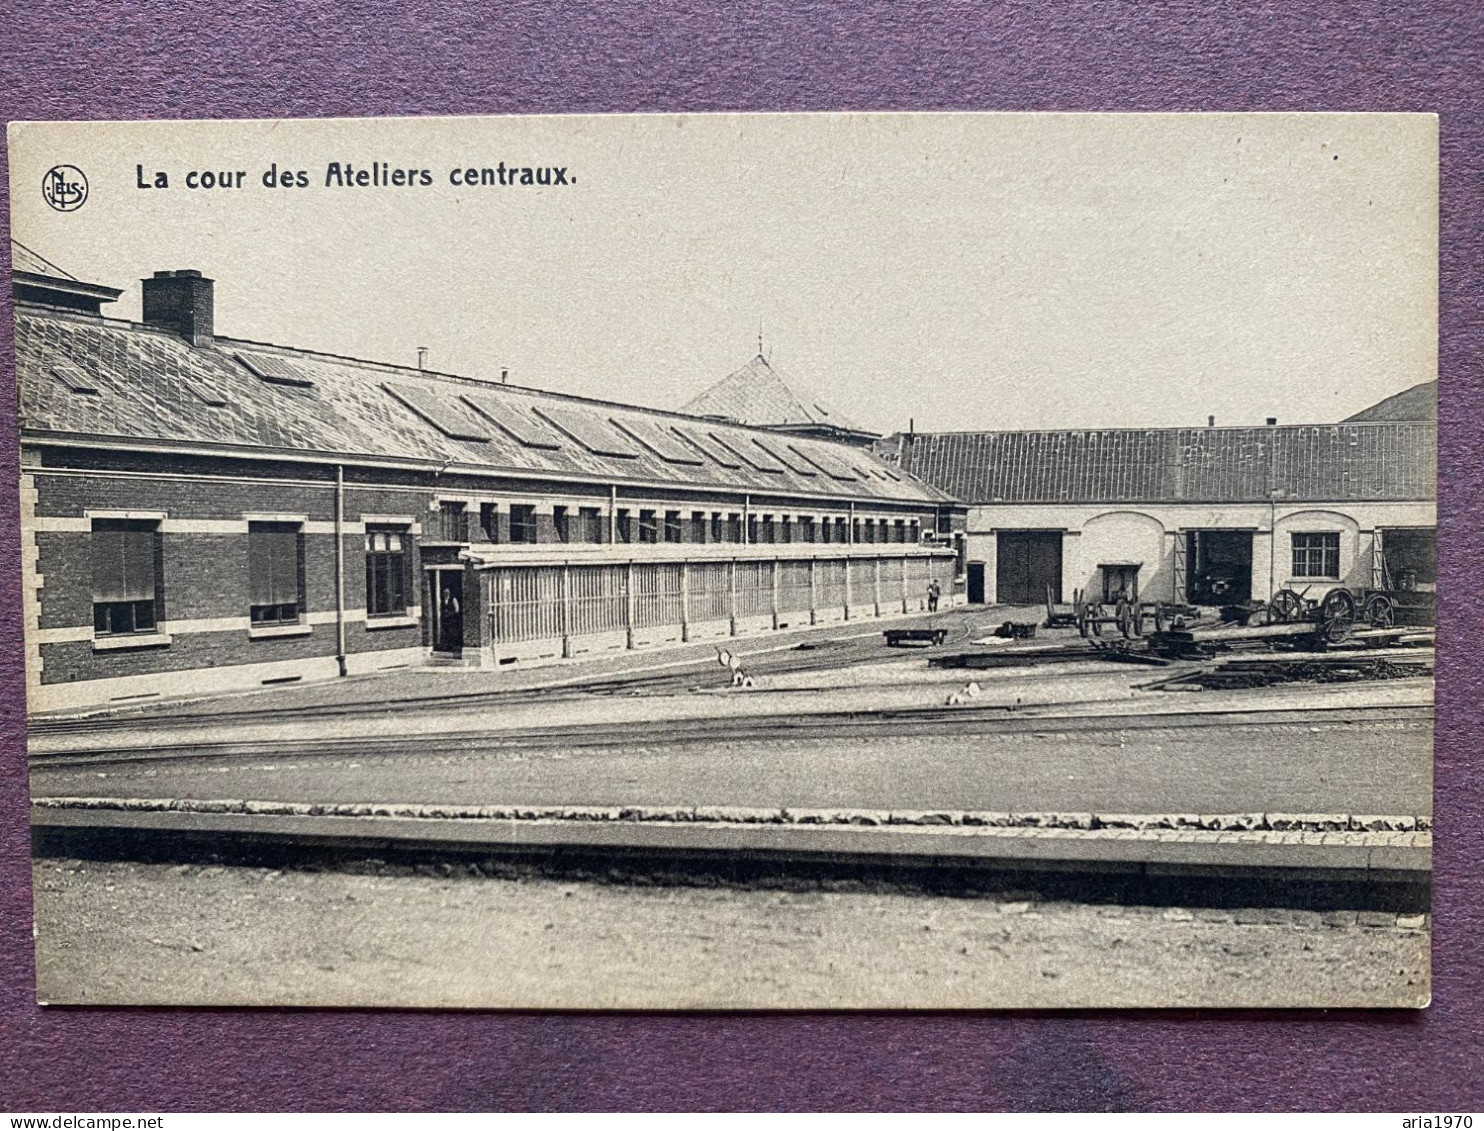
x=955, y=271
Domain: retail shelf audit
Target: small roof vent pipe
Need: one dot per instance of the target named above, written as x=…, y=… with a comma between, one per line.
x=422, y=357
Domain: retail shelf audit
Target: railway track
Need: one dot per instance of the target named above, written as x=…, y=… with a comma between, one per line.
x=701, y=674
x=926, y=722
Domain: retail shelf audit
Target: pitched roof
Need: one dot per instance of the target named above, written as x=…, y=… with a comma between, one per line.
x=22, y=258
x=1309, y=462
x=758, y=394
x=1420, y=402
x=150, y=385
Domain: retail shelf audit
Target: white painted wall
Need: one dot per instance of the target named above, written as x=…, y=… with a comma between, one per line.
x=1094, y=533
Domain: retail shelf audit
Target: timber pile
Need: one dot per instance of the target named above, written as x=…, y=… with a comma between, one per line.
x=1267, y=671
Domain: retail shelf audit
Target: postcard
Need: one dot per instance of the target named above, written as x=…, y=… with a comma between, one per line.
x=806, y=561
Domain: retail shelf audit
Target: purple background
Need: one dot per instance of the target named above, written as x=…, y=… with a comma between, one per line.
x=256, y=58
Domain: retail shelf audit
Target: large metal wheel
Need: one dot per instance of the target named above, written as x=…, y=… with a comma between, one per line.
x=1130, y=619
x=1285, y=607
x=1337, y=615
x=1338, y=603
x=1336, y=630
x=1090, y=619
x=1380, y=611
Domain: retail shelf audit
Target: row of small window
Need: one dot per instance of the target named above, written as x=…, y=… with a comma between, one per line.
x=128, y=574
x=519, y=523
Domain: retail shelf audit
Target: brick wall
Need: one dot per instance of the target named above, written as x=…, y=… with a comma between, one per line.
x=205, y=575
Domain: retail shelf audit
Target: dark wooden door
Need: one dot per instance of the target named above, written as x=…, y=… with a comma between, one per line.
x=1027, y=562
x=450, y=622
x=976, y=583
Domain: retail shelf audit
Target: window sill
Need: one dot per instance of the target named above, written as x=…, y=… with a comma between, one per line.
x=137, y=640
x=1293, y=581
x=375, y=623
x=264, y=631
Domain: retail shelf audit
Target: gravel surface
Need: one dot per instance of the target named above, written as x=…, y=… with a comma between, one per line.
x=133, y=933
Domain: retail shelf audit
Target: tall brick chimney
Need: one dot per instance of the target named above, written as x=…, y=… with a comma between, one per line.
x=180, y=301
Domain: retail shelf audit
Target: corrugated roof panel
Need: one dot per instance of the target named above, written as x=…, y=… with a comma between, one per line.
x=658, y=439
x=274, y=369
x=442, y=409
x=1308, y=462
x=593, y=433
x=514, y=417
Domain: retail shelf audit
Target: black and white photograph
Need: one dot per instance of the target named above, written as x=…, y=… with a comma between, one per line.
x=730, y=561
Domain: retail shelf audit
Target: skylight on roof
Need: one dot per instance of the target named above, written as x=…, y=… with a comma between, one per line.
x=827, y=463
x=75, y=379
x=275, y=370
x=443, y=410
x=594, y=434
x=717, y=453
x=658, y=439
x=515, y=418
x=751, y=453
x=788, y=459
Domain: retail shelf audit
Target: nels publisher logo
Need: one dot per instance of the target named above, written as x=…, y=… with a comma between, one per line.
x=65, y=188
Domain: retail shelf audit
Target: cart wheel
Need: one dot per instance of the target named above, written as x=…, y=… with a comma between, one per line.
x=1338, y=604
x=1380, y=611
x=1160, y=624
x=1096, y=615
x=1285, y=607
x=1337, y=629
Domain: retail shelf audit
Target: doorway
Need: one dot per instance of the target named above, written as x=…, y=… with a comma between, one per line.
x=1028, y=563
x=976, y=583
x=448, y=615
x=1217, y=567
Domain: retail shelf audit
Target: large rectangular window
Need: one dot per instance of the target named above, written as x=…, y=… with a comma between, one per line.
x=672, y=526
x=522, y=523
x=126, y=576
x=388, y=571
x=625, y=524
x=561, y=522
x=275, y=572
x=1316, y=555
x=591, y=520
x=698, y=526
x=489, y=522
x=453, y=522
x=649, y=530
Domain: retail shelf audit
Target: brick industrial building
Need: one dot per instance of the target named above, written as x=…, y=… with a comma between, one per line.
x=201, y=513
x=1209, y=516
